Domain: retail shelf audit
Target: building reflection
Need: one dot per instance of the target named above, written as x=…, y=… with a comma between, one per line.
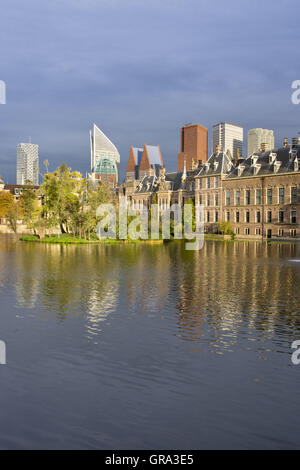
x=212, y=296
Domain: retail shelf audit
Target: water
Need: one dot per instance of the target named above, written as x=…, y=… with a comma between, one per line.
x=149, y=347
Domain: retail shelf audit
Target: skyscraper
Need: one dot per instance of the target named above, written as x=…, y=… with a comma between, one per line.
x=105, y=158
x=230, y=137
x=257, y=137
x=193, y=146
x=28, y=164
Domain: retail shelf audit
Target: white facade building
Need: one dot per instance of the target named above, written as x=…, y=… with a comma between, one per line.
x=28, y=164
x=257, y=137
x=230, y=138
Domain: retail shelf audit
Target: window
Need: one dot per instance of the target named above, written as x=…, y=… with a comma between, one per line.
x=200, y=183
x=227, y=198
x=216, y=216
x=247, y=217
x=294, y=196
x=237, y=217
x=258, y=218
x=227, y=216
x=281, y=195
x=216, y=182
x=208, y=200
x=237, y=231
x=269, y=196
x=216, y=199
x=200, y=199
x=281, y=217
x=247, y=197
x=257, y=231
x=247, y=231
x=207, y=216
x=238, y=198
x=293, y=217
x=280, y=232
x=269, y=217
x=208, y=183
x=258, y=196
x=293, y=232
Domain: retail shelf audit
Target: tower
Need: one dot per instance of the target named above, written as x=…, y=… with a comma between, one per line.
x=193, y=146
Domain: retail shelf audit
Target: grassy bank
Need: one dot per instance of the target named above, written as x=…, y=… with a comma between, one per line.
x=66, y=239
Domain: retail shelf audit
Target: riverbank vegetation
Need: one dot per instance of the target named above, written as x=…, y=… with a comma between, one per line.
x=65, y=203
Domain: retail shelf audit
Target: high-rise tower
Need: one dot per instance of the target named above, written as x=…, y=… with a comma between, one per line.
x=105, y=158
x=28, y=164
x=230, y=138
x=193, y=146
x=257, y=138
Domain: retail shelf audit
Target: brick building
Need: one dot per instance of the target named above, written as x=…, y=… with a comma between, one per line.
x=193, y=146
x=142, y=162
x=258, y=196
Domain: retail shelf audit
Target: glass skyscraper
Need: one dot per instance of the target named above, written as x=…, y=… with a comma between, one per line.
x=105, y=158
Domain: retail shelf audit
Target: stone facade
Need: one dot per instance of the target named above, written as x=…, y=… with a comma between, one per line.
x=258, y=196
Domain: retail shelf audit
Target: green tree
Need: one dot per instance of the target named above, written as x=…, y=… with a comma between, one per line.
x=28, y=205
x=225, y=228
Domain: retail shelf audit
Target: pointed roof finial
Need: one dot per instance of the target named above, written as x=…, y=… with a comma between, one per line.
x=184, y=171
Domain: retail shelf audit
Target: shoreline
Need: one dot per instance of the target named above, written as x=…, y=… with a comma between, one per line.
x=72, y=241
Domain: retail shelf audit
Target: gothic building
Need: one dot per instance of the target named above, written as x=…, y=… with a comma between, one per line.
x=258, y=196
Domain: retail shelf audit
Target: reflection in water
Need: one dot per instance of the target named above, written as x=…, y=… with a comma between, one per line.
x=216, y=293
x=149, y=346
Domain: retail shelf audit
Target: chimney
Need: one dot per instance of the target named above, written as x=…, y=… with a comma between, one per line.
x=285, y=142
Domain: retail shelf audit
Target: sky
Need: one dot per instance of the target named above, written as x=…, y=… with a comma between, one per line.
x=140, y=69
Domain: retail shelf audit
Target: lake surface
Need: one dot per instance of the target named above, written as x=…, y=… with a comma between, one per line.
x=149, y=347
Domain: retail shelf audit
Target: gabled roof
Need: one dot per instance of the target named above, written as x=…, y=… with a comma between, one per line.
x=217, y=164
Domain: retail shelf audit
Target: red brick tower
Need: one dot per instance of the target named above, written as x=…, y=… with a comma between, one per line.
x=193, y=146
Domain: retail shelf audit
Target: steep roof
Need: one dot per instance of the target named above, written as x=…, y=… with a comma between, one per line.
x=281, y=160
x=151, y=157
x=217, y=164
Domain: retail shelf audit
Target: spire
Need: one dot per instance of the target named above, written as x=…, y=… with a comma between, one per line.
x=183, y=178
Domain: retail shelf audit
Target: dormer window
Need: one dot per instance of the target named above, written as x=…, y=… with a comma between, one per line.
x=216, y=164
x=240, y=169
x=277, y=165
x=254, y=159
x=296, y=165
x=272, y=157
x=257, y=167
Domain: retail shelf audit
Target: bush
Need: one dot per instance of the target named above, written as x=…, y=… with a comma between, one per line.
x=225, y=229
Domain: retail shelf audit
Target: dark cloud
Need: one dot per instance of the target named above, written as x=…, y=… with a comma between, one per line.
x=141, y=69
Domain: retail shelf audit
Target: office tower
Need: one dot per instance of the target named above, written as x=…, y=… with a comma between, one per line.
x=105, y=158
x=229, y=137
x=28, y=164
x=193, y=146
x=258, y=138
